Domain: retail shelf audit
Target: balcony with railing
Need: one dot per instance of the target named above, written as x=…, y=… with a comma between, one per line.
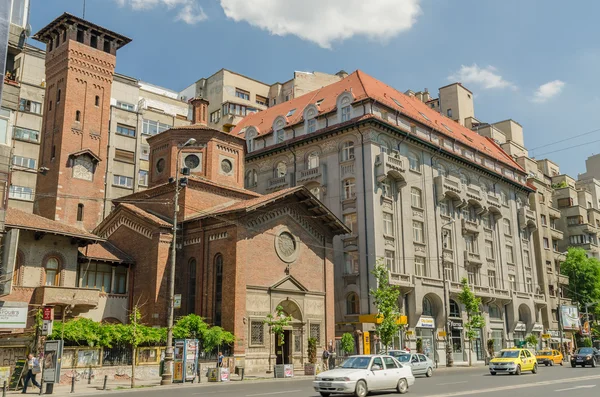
x=79, y=299
x=401, y=280
x=527, y=218
x=347, y=170
x=389, y=166
x=473, y=258
x=469, y=226
x=493, y=200
x=316, y=174
x=563, y=280
x=448, y=186
x=474, y=192
x=556, y=234
x=279, y=182
x=554, y=213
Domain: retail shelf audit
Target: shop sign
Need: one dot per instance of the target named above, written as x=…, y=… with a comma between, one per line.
x=441, y=334
x=520, y=327
x=366, y=343
x=409, y=333
x=554, y=334
x=546, y=336
x=426, y=322
x=537, y=328
x=457, y=326
x=13, y=317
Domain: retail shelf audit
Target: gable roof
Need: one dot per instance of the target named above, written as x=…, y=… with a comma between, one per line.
x=25, y=221
x=301, y=193
x=146, y=215
x=106, y=252
x=362, y=86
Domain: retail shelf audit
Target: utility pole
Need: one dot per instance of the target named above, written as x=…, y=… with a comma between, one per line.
x=167, y=376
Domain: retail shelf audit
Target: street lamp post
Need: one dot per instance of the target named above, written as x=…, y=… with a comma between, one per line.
x=449, y=360
x=167, y=376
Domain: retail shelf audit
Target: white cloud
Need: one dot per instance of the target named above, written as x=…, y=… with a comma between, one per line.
x=548, y=91
x=188, y=10
x=326, y=21
x=487, y=77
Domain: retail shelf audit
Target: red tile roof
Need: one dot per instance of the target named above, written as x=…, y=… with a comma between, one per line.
x=199, y=179
x=363, y=87
x=146, y=215
x=105, y=251
x=23, y=220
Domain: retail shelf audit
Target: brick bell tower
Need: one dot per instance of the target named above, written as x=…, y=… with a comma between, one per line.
x=80, y=63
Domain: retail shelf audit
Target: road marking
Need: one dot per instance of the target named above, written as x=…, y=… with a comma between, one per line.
x=275, y=392
x=451, y=383
x=577, y=387
x=513, y=387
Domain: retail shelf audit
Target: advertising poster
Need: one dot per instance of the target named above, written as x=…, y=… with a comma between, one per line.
x=178, y=371
x=569, y=315
x=51, y=361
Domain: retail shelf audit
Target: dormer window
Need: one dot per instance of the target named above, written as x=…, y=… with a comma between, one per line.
x=290, y=113
x=346, y=113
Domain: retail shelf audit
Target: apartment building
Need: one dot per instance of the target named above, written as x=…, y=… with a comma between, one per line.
x=420, y=192
x=232, y=96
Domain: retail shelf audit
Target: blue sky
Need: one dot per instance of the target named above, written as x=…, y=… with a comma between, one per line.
x=534, y=61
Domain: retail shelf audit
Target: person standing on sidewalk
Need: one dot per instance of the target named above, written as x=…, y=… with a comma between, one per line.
x=325, y=358
x=220, y=360
x=33, y=368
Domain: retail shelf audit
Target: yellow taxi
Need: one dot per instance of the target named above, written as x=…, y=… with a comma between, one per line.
x=549, y=357
x=514, y=361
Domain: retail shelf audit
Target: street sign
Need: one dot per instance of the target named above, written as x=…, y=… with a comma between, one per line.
x=48, y=313
x=441, y=334
x=366, y=343
x=546, y=336
x=177, y=302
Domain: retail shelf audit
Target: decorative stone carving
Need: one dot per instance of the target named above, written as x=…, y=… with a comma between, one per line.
x=286, y=246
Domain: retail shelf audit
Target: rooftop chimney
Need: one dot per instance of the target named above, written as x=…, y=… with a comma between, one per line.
x=199, y=111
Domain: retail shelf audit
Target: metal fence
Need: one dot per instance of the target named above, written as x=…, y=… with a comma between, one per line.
x=116, y=355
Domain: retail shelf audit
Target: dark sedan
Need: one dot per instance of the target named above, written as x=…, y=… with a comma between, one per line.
x=585, y=356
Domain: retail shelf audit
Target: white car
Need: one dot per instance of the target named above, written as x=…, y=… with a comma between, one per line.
x=420, y=363
x=359, y=375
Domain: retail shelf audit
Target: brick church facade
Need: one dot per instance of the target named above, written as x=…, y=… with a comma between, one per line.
x=240, y=254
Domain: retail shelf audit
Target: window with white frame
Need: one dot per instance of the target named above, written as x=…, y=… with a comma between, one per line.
x=151, y=127
x=126, y=106
x=504, y=198
x=486, y=220
x=413, y=162
x=351, y=221
x=388, y=224
x=418, y=236
x=349, y=189
x=24, y=162
x=351, y=262
x=390, y=260
x=546, y=243
x=444, y=208
x=26, y=105
x=143, y=178
x=348, y=151
x=416, y=200
x=312, y=160
x=471, y=242
x=507, y=227
x=492, y=280
x=125, y=130
x=421, y=267
x=512, y=281
x=123, y=181
x=281, y=169
x=25, y=134
x=346, y=113
x=20, y=193
x=144, y=152
x=510, y=256
x=386, y=188
x=489, y=249
x=473, y=275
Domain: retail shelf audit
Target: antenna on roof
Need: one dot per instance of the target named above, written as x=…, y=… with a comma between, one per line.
x=83, y=9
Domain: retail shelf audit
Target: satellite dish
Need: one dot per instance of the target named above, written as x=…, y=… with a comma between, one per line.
x=28, y=30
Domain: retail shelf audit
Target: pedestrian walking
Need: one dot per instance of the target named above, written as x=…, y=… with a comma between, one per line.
x=325, y=358
x=33, y=368
x=220, y=360
x=406, y=348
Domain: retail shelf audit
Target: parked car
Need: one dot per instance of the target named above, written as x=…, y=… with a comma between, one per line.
x=585, y=356
x=362, y=374
x=549, y=357
x=420, y=363
x=514, y=361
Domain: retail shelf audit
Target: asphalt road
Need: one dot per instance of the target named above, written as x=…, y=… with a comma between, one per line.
x=548, y=382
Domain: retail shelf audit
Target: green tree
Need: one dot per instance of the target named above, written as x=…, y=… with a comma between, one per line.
x=475, y=320
x=312, y=350
x=386, y=299
x=276, y=324
x=215, y=337
x=347, y=343
x=532, y=340
x=584, y=277
x=191, y=326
